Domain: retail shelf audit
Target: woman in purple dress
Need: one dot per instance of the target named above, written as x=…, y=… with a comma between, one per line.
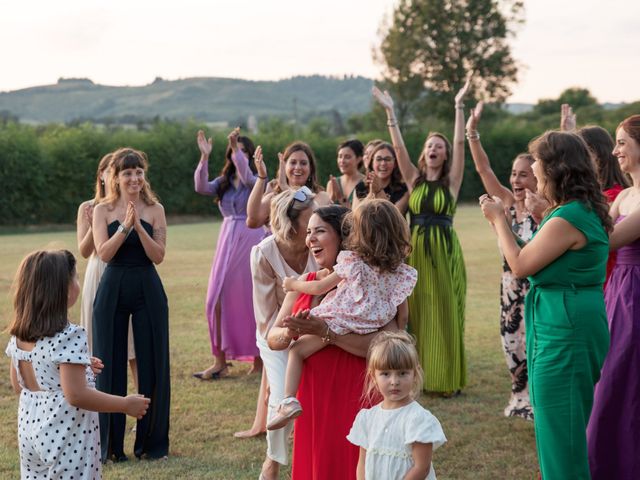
x=231, y=321
x=614, y=426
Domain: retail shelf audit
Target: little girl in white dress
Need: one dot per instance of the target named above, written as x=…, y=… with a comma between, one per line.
x=372, y=282
x=58, y=431
x=397, y=436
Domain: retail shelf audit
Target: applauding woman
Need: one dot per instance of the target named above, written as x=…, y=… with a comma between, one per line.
x=437, y=305
x=130, y=233
x=567, y=336
x=231, y=320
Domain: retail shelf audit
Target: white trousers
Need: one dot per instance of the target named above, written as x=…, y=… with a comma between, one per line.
x=275, y=364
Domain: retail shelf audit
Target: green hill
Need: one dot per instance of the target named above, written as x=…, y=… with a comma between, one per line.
x=204, y=99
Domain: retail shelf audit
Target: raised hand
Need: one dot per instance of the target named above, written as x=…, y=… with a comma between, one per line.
x=258, y=161
x=136, y=405
x=88, y=213
x=233, y=138
x=374, y=183
x=282, y=172
x=333, y=189
x=205, y=145
x=383, y=98
x=130, y=216
x=535, y=204
x=463, y=91
x=474, y=117
x=567, y=118
x=492, y=208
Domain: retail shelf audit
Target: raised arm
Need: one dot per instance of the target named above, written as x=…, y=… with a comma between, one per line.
x=552, y=240
x=259, y=203
x=457, y=157
x=409, y=171
x=83, y=229
x=567, y=118
x=240, y=160
x=481, y=161
x=201, y=176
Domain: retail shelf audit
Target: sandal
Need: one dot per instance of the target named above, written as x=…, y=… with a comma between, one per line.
x=289, y=409
x=215, y=375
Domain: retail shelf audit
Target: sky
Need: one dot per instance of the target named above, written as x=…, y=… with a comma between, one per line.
x=564, y=43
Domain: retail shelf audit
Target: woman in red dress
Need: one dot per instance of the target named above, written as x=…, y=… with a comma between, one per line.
x=333, y=376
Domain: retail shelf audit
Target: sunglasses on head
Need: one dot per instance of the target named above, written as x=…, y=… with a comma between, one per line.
x=302, y=193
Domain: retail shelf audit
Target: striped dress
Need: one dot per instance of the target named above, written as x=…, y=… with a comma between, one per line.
x=437, y=305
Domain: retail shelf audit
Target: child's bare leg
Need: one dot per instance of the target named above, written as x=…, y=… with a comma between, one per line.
x=301, y=349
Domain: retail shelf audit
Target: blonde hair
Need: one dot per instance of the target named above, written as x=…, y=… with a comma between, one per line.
x=285, y=210
x=123, y=159
x=392, y=351
x=379, y=234
x=41, y=294
x=105, y=162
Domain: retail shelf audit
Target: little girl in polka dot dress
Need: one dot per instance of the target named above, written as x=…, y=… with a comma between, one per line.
x=52, y=371
x=372, y=281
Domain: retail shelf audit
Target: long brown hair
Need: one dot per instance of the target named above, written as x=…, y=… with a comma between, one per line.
x=105, y=162
x=446, y=166
x=123, y=159
x=40, y=300
x=396, y=184
x=379, y=234
x=570, y=173
x=631, y=125
x=312, y=180
x=601, y=146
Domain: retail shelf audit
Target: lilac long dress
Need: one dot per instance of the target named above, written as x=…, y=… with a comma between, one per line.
x=230, y=280
x=614, y=426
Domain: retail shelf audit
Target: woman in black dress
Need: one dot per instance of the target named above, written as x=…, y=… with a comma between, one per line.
x=130, y=230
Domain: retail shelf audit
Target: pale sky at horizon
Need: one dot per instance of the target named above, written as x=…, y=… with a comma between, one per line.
x=115, y=42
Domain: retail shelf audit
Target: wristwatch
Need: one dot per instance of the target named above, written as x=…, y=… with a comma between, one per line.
x=123, y=230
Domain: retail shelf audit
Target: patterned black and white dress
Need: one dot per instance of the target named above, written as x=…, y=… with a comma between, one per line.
x=512, y=331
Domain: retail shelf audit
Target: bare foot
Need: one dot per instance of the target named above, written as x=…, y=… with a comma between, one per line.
x=251, y=433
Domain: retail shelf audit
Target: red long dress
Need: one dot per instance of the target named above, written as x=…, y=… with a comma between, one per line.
x=330, y=392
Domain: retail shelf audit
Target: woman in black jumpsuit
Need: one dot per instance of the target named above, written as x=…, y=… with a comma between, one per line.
x=129, y=229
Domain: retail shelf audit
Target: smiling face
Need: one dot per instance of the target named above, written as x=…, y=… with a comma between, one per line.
x=323, y=242
x=396, y=387
x=131, y=180
x=347, y=161
x=522, y=178
x=627, y=150
x=297, y=168
x=383, y=164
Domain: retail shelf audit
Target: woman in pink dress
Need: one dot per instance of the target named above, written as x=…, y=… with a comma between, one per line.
x=231, y=321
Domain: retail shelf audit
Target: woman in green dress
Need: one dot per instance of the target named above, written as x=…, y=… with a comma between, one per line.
x=437, y=305
x=566, y=323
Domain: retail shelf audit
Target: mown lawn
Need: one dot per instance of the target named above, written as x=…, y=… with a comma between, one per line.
x=482, y=443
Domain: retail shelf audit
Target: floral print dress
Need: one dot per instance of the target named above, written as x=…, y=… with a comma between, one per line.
x=512, y=331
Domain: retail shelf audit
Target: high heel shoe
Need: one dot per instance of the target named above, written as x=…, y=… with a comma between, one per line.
x=215, y=375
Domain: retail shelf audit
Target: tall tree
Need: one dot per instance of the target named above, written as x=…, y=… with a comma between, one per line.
x=428, y=47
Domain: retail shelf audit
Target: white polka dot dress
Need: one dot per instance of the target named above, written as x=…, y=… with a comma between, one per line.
x=57, y=440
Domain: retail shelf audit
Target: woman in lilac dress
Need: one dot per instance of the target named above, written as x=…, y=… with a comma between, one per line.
x=229, y=312
x=614, y=426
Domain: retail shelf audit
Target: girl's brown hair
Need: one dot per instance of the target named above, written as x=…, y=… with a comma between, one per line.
x=40, y=301
x=601, y=146
x=379, y=234
x=123, y=159
x=570, y=173
x=392, y=351
x=312, y=180
x=105, y=162
x=446, y=166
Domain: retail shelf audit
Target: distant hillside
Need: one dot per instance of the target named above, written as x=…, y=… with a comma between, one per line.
x=204, y=99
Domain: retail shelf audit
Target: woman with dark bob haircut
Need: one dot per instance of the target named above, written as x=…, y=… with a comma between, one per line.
x=566, y=323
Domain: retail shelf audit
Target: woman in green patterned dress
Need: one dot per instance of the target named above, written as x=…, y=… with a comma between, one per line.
x=566, y=323
x=437, y=305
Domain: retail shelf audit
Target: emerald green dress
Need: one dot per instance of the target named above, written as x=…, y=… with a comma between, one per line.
x=567, y=341
x=436, y=307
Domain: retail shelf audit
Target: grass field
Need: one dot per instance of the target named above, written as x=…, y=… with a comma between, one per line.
x=482, y=443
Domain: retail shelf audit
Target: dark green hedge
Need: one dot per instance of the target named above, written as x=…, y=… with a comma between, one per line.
x=46, y=172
